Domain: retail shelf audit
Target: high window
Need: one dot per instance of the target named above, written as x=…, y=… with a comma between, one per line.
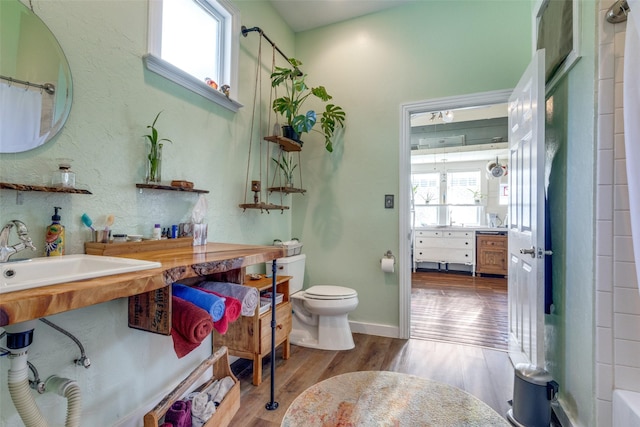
x=194, y=43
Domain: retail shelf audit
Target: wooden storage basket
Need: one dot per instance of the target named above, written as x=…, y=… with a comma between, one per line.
x=219, y=361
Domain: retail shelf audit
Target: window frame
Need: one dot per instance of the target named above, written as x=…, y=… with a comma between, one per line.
x=445, y=211
x=540, y=6
x=231, y=38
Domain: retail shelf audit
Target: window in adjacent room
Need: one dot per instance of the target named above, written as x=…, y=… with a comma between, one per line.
x=426, y=196
x=194, y=43
x=461, y=189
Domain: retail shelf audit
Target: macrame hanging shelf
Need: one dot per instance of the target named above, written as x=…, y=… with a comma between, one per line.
x=287, y=149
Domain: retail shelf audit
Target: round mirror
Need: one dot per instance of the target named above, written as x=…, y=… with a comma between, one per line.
x=35, y=80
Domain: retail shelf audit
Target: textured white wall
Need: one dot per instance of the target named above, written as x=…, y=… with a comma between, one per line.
x=115, y=98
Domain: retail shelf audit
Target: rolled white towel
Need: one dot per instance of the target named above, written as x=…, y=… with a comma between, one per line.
x=248, y=296
x=202, y=408
x=225, y=385
x=212, y=391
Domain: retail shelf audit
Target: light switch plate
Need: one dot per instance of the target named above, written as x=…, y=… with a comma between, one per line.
x=388, y=201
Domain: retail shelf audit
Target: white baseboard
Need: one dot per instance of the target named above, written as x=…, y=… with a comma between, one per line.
x=375, y=329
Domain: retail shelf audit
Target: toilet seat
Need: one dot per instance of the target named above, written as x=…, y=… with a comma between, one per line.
x=329, y=292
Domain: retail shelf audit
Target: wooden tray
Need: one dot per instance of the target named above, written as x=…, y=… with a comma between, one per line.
x=114, y=249
x=225, y=412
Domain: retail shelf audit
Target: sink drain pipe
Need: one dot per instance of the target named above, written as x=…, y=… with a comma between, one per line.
x=70, y=390
x=19, y=338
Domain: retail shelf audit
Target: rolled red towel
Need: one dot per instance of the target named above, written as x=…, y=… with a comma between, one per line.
x=232, y=306
x=190, y=325
x=232, y=310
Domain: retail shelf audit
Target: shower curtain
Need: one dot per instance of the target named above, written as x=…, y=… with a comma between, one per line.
x=631, y=104
x=20, y=112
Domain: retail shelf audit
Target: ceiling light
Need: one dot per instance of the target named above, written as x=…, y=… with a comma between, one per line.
x=445, y=116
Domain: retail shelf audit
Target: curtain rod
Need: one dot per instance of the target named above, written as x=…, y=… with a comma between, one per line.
x=618, y=12
x=246, y=30
x=47, y=87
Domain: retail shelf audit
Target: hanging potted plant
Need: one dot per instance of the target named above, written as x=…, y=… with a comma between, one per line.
x=287, y=167
x=290, y=105
x=154, y=158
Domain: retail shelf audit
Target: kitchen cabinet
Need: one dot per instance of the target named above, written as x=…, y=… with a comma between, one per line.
x=492, y=253
x=444, y=246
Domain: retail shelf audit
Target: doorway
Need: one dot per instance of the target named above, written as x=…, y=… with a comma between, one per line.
x=453, y=206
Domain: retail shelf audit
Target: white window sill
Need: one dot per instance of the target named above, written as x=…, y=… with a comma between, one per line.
x=176, y=75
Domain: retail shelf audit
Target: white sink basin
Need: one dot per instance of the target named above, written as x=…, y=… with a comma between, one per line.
x=37, y=272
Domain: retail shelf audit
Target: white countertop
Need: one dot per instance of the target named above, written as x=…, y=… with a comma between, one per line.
x=459, y=228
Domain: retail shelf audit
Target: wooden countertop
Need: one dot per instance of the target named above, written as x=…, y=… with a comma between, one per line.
x=177, y=263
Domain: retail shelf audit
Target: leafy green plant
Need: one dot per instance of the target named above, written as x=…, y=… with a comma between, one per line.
x=428, y=197
x=155, y=152
x=287, y=167
x=477, y=195
x=297, y=92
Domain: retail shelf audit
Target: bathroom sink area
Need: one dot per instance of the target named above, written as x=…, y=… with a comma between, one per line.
x=38, y=272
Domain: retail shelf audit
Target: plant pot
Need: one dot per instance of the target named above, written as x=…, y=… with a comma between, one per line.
x=289, y=132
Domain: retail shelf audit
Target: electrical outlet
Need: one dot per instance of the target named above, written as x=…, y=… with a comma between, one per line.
x=388, y=201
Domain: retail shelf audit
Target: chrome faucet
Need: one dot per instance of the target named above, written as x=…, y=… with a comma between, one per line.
x=23, y=234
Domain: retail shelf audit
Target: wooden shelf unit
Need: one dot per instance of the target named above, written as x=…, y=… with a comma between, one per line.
x=492, y=254
x=249, y=337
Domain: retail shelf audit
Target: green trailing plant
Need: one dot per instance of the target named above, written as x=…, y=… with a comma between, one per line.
x=287, y=167
x=155, y=151
x=297, y=92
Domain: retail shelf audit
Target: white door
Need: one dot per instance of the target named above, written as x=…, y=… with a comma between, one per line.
x=526, y=216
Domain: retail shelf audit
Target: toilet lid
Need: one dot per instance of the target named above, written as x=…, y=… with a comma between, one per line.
x=330, y=292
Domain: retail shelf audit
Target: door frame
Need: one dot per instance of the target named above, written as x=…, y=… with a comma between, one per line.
x=404, y=211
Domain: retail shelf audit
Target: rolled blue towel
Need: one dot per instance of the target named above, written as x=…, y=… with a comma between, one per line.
x=213, y=304
x=248, y=296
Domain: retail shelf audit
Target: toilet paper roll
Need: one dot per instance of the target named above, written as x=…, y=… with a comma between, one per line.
x=387, y=265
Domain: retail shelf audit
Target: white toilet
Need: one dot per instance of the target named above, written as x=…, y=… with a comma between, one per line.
x=320, y=312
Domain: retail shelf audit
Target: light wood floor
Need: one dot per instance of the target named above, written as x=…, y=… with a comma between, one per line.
x=483, y=372
x=459, y=308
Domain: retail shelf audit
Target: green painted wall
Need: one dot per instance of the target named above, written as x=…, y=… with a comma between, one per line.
x=372, y=65
x=570, y=143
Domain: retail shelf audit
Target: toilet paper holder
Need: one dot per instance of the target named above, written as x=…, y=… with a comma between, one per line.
x=388, y=255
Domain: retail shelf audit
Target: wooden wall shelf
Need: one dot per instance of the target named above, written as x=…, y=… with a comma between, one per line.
x=287, y=190
x=285, y=143
x=43, y=188
x=170, y=188
x=263, y=206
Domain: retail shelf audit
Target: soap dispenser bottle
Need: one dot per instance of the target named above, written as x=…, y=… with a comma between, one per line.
x=54, y=239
